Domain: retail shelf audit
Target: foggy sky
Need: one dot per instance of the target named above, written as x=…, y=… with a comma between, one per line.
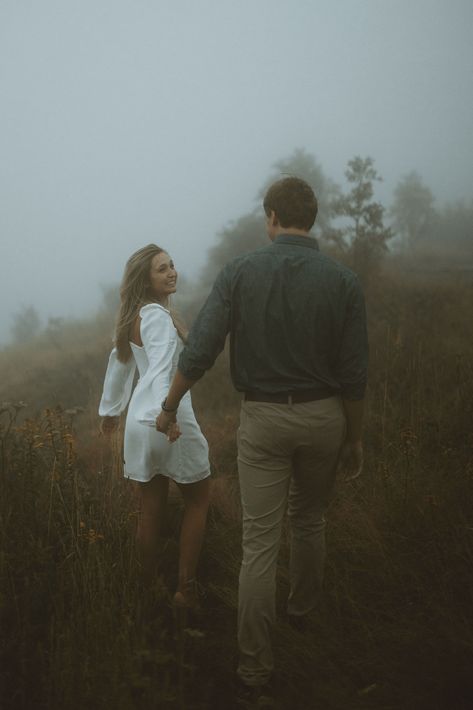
x=129, y=121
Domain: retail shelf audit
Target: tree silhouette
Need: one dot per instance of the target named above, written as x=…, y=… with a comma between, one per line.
x=453, y=226
x=363, y=236
x=26, y=324
x=249, y=233
x=246, y=234
x=412, y=210
x=304, y=165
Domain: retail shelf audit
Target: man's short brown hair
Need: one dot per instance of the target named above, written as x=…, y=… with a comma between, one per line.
x=293, y=201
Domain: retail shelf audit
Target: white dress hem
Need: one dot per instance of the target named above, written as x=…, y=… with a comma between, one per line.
x=181, y=480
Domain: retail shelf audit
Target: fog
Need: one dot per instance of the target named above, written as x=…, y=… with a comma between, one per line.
x=129, y=121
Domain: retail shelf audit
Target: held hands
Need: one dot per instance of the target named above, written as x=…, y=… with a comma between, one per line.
x=166, y=423
x=350, y=463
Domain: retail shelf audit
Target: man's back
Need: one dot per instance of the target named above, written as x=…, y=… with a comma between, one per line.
x=296, y=320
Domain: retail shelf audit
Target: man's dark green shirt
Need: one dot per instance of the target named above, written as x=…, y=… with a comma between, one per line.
x=296, y=320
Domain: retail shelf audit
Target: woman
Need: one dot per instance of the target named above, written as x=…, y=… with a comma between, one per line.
x=147, y=337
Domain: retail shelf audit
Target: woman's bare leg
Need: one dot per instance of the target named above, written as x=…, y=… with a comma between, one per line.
x=153, y=499
x=196, y=504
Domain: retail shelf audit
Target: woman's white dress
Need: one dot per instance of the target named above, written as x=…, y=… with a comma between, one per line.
x=147, y=451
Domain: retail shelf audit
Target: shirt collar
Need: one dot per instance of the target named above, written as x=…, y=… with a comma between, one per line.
x=297, y=240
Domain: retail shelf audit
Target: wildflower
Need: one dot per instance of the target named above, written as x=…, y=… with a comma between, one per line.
x=93, y=536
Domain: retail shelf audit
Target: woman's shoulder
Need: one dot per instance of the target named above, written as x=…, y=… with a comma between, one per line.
x=156, y=322
x=154, y=310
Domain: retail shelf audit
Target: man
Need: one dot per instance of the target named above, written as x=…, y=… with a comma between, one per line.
x=298, y=353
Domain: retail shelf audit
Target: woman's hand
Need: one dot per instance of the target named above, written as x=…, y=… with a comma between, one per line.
x=173, y=432
x=109, y=425
x=166, y=423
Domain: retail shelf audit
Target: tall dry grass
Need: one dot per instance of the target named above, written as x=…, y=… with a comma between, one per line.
x=394, y=628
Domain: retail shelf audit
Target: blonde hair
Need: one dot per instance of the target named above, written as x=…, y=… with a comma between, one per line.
x=134, y=293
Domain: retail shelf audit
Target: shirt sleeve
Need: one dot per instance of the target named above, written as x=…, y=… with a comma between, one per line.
x=207, y=336
x=352, y=365
x=159, y=337
x=117, y=386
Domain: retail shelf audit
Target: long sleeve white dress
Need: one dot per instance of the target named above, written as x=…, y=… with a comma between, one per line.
x=147, y=451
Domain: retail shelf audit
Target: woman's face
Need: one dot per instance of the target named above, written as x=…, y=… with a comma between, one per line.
x=162, y=276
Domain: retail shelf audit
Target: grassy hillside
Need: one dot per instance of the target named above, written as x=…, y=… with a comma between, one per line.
x=394, y=629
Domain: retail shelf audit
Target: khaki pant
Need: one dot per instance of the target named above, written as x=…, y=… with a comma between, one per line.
x=287, y=457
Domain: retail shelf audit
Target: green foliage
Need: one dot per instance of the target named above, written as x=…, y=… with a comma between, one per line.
x=412, y=210
x=394, y=627
x=364, y=236
x=110, y=300
x=249, y=232
x=26, y=324
x=454, y=226
x=246, y=234
x=54, y=330
x=448, y=230
x=304, y=165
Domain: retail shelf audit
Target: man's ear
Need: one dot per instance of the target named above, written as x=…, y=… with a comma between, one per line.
x=273, y=220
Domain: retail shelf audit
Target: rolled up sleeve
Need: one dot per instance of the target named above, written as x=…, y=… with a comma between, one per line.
x=207, y=336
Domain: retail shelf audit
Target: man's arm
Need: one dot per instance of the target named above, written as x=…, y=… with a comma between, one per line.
x=350, y=464
x=205, y=342
x=354, y=416
x=179, y=386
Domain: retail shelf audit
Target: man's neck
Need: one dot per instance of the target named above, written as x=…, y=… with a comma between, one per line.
x=290, y=230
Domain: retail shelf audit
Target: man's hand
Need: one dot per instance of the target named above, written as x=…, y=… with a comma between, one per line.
x=350, y=463
x=166, y=420
x=109, y=425
x=166, y=423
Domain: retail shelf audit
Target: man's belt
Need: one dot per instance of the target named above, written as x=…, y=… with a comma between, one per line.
x=288, y=397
